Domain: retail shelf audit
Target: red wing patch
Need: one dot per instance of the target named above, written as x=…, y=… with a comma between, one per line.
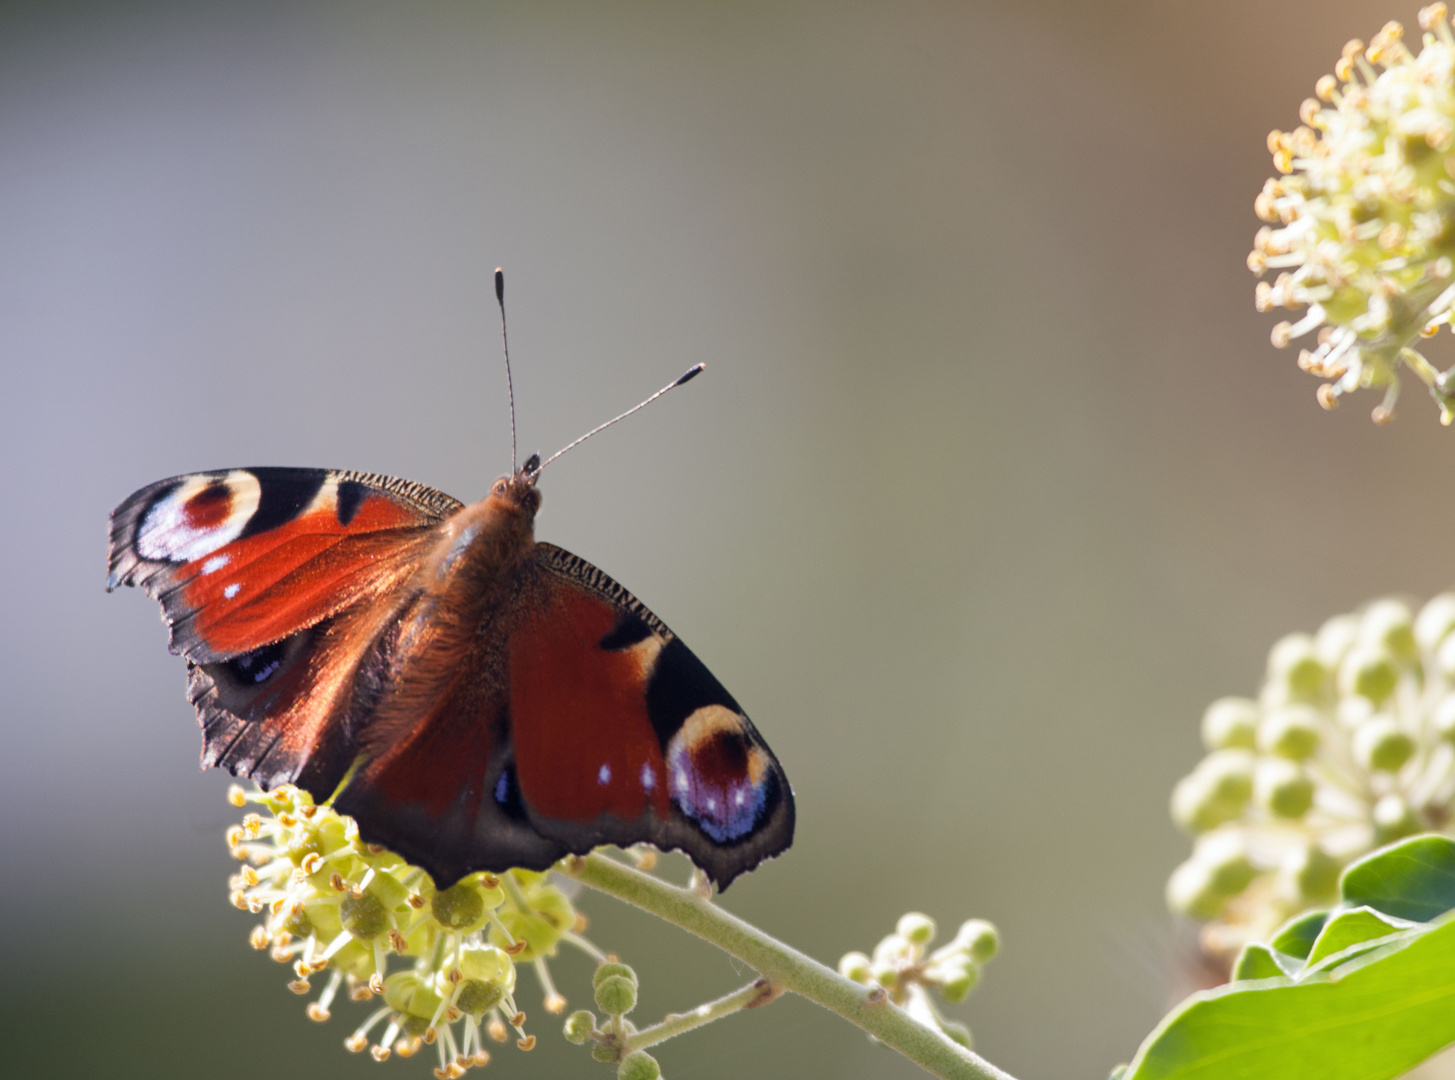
x=264, y=587
x=584, y=743
x=246, y=557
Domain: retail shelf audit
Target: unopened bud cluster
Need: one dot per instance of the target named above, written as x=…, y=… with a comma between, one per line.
x=438, y=964
x=1349, y=746
x=904, y=966
x=615, y=988
x=1361, y=220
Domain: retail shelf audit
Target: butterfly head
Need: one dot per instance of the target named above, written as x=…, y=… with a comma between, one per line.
x=519, y=489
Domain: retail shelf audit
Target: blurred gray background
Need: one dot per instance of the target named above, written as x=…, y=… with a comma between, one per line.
x=993, y=481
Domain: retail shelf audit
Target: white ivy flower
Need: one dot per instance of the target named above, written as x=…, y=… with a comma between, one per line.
x=1361, y=219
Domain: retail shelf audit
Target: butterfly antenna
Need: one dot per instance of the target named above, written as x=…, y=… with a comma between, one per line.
x=505, y=341
x=687, y=376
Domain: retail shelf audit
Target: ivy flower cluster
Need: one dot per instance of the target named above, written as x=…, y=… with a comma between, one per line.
x=903, y=965
x=439, y=965
x=1361, y=218
x=1349, y=746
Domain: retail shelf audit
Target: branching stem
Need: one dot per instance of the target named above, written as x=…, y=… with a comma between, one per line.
x=759, y=992
x=785, y=967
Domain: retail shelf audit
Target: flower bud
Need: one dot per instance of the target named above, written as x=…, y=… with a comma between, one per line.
x=916, y=928
x=1435, y=621
x=1293, y=664
x=956, y=980
x=638, y=1065
x=1215, y=792
x=1442, y=718
x=1190, y=891
x=579, y=1026
x=855, y=966
x=886, y=975
x=610, y=968
x=894, y=949
x=1369, y=672
x=1230, y=723
x=616, y=995
x=1291, y=732
x=1334, y=639
x=1313, y=874
x=1284, y=788
x=1225, y=855
x=1388, y=624
x=1381, y=745
x=1392, y=819
x=978, y=938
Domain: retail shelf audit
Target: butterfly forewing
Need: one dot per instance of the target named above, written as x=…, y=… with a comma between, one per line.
x=274, y=583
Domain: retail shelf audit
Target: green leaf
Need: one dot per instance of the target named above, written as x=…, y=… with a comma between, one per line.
x=1413, y=879
x=1371, y=1018
x=1260, y=962
x=1350, y=928
x=1298, y=935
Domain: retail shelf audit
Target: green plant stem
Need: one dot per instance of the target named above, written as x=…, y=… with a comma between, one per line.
x=757, y=992
x=785, y=967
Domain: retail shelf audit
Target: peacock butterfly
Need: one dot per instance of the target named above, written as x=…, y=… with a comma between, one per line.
x=473, y=698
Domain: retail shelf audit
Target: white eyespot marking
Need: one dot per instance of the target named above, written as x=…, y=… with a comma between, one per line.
x=199, y=516
x=649, y=778
x=325, y=499
x=217, y=562
x=679, y=779
x=739, y=797
x=231, y=590
x=603, y=774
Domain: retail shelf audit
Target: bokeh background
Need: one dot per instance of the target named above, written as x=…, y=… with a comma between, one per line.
x=993, y=482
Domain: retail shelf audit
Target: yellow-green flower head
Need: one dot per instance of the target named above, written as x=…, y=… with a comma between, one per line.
x=1350, y=745
x=443, y=961
x=1361, y=219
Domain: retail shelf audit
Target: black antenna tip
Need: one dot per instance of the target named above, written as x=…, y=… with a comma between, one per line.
x=500, y=286
x=690, y=374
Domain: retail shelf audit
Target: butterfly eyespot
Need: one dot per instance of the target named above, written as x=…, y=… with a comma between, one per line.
x=258, y=666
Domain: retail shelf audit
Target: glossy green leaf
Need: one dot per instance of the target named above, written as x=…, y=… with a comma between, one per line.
x=1258, y=961
x=1297, y=936
x=1354, y=927
x=1371, y=1018
x=1413, y=879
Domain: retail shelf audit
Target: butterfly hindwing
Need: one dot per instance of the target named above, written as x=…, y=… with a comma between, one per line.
x=576, y=718
x=621, y=735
